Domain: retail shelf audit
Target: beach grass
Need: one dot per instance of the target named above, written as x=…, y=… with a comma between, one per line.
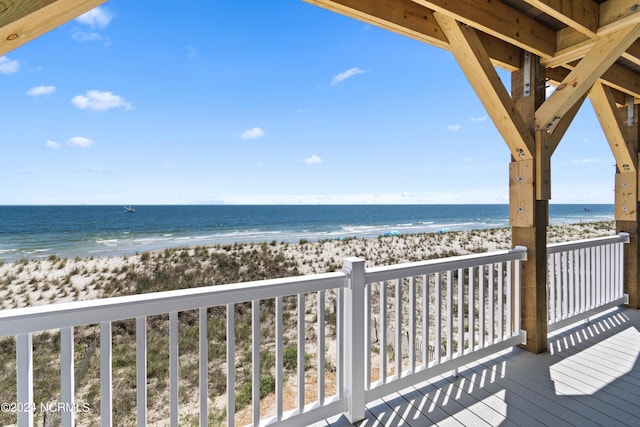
x=27, y=283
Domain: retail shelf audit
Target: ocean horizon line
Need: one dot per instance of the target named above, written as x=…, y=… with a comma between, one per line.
x=288, y=204
x=39, y=231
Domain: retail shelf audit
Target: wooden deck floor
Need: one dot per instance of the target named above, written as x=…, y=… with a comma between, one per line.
x=589, y=377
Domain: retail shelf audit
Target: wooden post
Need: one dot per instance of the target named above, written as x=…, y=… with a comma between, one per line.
x=620, y=126
x=626, y=209
x=533, y=307
x=529, y=193
x=631, y=254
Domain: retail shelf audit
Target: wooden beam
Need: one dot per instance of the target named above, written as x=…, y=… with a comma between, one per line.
x=475, y=63
x=563, y=125
x=572, y=43
x=11, y=12
x=579, y=81
x=572, y=46
x=617, y=77
x=633, y=53
x=614, y=128
x=409, y=19
x=615, y=15
x=23, y=21
x=580, y=15
x=623, y=79
x=555, y=76
x=399, y=16
x=501, y=21
x=412, y=20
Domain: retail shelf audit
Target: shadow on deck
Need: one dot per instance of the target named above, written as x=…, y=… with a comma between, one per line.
x=590, y=376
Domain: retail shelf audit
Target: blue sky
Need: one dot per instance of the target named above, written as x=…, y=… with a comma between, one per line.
x=143, y=102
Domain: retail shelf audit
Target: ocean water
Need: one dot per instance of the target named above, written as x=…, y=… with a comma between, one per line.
x=36, y=232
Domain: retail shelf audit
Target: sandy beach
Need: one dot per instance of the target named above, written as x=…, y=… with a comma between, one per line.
x=55, y=280
x=29, y=283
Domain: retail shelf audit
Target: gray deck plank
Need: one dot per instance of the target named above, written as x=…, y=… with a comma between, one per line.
x=425, y=410
x=597, y=372
x=540, y=406
x=443, y=396
x=589, y=377
x=490, y=407
x=495, y=395
x=541, y=384
x=384, y=414
x=575, y=385
x=535, y=375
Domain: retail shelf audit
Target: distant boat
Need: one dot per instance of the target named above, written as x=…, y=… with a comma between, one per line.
x=129, y=209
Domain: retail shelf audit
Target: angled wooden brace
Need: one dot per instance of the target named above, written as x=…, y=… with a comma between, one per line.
x=476, y=65
x=623, y=146
x=580, y=80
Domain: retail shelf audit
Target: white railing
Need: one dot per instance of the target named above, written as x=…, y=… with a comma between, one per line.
x=446, y=313
x=427, y=318
x=583, y=278
x=24, y=322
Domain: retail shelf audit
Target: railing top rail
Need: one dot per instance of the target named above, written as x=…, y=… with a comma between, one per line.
x=39, y=318
x=378, y=274
x=587, y=243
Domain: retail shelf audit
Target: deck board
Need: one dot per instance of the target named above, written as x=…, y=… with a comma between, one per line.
x=589, y=377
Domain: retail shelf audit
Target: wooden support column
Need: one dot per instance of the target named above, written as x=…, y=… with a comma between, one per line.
x=626, y=215
x=529, y=193
x=620, y=126
x=529, y=173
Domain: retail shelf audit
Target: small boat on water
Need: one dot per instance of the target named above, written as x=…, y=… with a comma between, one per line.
x=129, y=209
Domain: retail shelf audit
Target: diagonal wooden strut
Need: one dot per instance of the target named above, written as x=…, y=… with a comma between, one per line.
x=476, y=65
x=614, y=128
x=579, y=81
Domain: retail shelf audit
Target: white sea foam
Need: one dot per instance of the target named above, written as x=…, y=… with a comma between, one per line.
x=107, y=242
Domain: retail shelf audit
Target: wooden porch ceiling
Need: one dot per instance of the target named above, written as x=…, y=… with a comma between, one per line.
x=560, y=32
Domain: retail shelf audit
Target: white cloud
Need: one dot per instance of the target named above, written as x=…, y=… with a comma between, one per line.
x=80, y=141
x=96, y=18
x=41, y=90
x=453, y=128
x=96, y=100
x=252, y=133
x=51, y=144
x=8, y=66
x=313, y=160
x=83, y=36
x=584, y=160
x=339, y=78
x=479, y=119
